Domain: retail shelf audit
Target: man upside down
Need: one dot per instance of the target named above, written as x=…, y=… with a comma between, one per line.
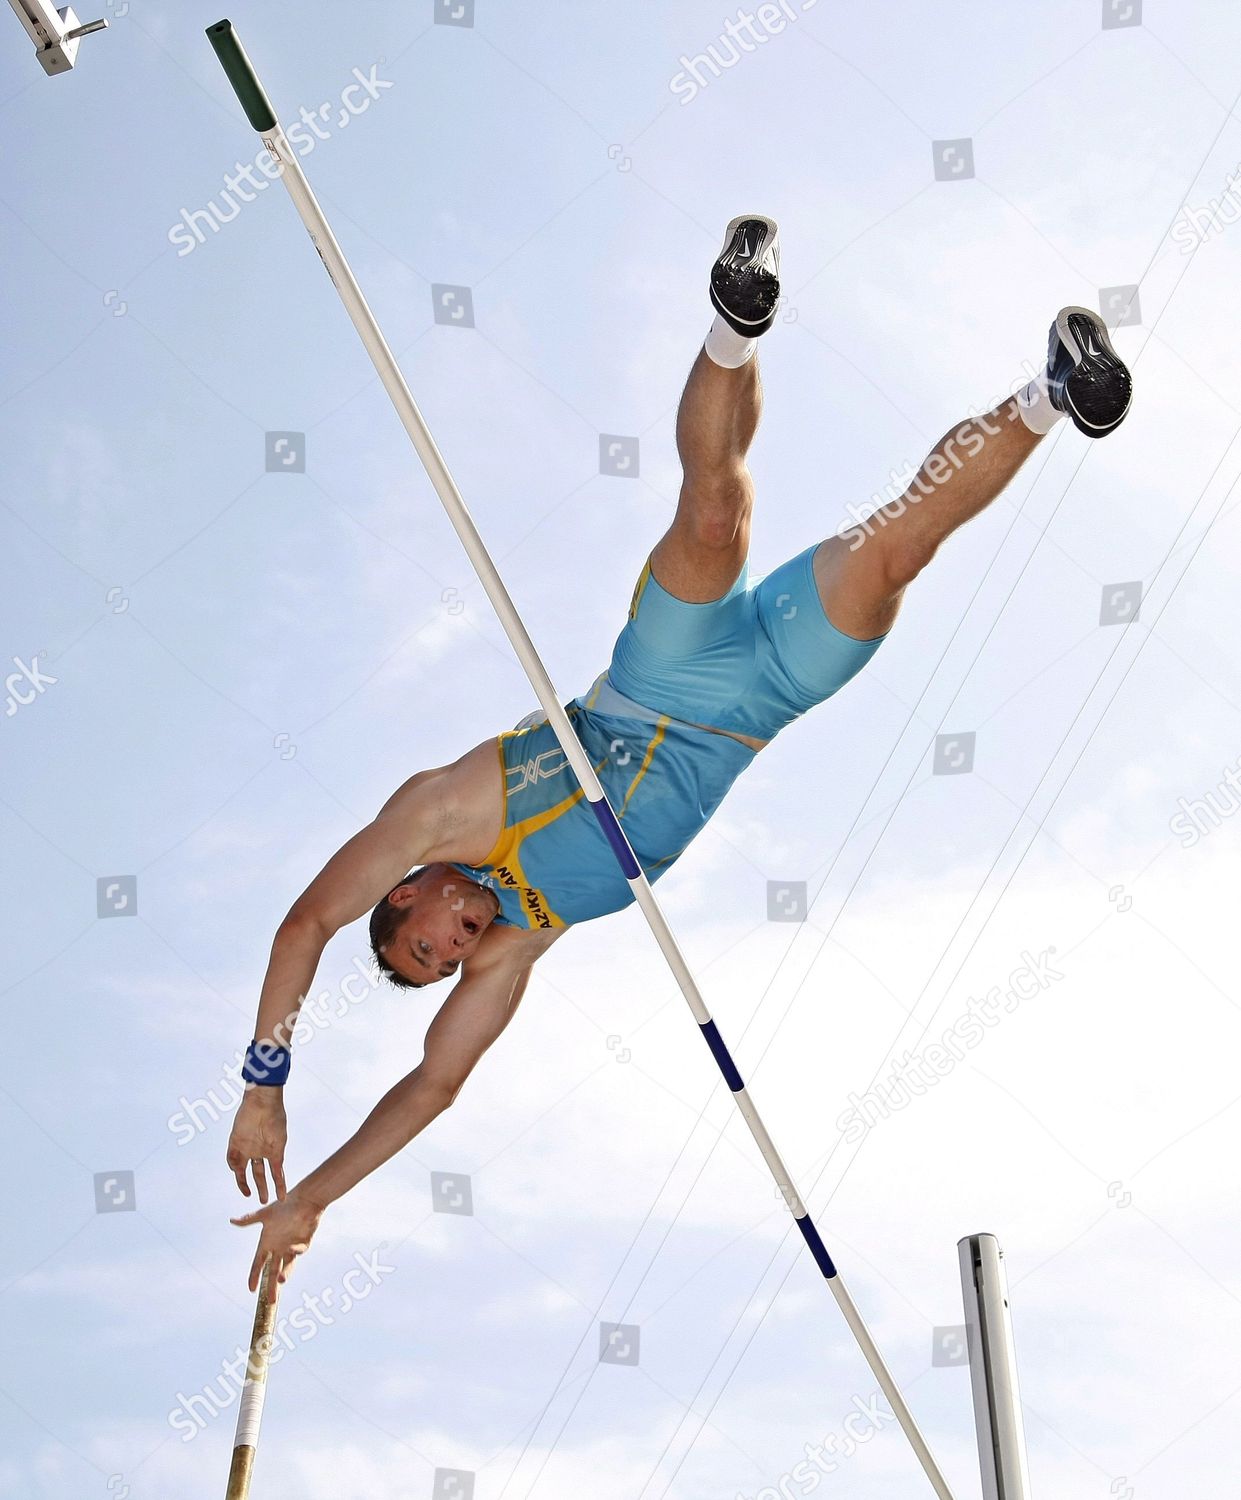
x=711, y=665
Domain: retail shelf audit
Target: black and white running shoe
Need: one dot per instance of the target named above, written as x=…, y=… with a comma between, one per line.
x=1086, y=378
x=745, y=281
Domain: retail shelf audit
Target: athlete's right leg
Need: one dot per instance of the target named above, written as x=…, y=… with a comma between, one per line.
x=701, y=555
x=863, y=573
x=858, y=578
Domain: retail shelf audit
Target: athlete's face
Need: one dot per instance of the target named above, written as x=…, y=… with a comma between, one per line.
x=447, y=918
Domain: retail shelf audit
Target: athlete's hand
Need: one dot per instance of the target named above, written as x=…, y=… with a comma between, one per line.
x=259, y=1135
x=288, y=1227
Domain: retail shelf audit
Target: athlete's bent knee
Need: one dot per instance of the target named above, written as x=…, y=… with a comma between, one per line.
x=904, y=557
x=715, y=508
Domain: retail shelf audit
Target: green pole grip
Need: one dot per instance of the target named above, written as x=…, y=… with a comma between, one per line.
x=240, y=72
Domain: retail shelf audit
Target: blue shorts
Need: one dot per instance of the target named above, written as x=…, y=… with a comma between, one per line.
x=752, y=661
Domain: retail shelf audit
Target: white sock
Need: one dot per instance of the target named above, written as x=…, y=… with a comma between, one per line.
x=726, y=347
x=1034, y=404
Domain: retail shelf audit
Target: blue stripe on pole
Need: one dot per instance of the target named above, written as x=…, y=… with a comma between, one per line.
x=616, y=837
x=722, y=1056
x=817, y=1248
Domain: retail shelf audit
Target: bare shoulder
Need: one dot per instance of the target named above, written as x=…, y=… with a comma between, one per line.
x=513, y=947
x=460, y=804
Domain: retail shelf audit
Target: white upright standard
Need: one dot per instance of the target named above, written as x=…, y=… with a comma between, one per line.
x=993, y=1370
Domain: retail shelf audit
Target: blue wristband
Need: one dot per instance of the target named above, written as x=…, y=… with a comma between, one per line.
x=266, y=1064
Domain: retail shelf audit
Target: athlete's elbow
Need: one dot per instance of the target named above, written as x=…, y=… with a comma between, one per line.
x=440, y=1090
x=305, y=924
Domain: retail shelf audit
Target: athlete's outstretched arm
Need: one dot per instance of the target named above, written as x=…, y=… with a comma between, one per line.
x=405, y=833
x=475, y=1013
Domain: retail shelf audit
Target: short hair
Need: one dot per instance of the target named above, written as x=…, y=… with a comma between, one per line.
x=386, y=921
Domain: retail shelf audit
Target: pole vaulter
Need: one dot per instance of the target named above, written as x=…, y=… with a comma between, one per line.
x=1084, y=380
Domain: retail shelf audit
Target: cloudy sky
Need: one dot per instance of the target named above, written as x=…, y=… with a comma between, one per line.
x=227, y=650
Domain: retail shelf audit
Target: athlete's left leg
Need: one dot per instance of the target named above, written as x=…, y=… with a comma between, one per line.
x=863, y=573
x=701, y=555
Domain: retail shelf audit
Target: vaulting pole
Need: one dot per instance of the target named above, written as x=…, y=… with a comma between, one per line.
x=262, y=117
x=250, y=1407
